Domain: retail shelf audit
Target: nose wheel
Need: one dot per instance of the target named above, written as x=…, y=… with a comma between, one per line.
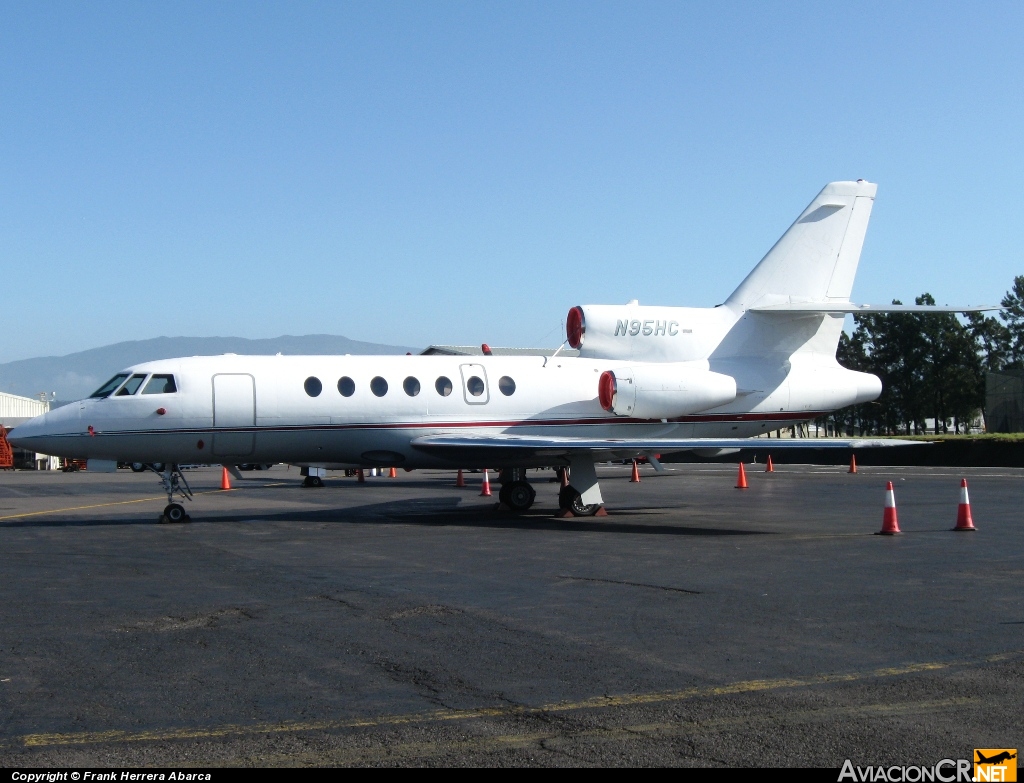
x=174, y=483
x=175, y=513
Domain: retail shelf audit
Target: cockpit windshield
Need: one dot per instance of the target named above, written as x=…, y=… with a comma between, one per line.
x=109, y=386
x=132, y=386
x=160, y=384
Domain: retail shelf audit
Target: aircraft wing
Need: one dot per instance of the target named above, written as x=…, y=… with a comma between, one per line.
x=463, y=446
x=850, y=307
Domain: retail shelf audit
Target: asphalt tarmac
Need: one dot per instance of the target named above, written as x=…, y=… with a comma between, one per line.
x=406, y=622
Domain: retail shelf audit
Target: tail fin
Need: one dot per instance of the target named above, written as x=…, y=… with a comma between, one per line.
x=816, y=259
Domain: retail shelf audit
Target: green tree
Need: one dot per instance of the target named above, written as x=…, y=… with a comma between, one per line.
x=931, y=367
x=1013, y=314
x=992, y=339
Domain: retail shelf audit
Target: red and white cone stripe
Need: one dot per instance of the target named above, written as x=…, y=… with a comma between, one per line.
x=890, y=523
x=963, y=513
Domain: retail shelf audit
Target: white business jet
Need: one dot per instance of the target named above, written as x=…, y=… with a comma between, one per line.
x=648, y=380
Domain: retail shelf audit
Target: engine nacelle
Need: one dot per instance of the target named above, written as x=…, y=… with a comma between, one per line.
x=634, y=332
x=663, y=391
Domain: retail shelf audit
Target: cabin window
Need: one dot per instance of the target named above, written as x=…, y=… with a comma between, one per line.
x=132, y=386
x=506, y=385
x=379, y=386
x=443, y=386
x=346, y=387
x=411, y=386
x=475, y=386
x=313, y=386
x=110, y=385
x=160, y=384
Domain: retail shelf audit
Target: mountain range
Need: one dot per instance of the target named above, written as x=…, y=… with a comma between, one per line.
x=77, y=375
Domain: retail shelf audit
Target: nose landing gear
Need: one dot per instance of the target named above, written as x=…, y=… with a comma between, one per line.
x=174, y=483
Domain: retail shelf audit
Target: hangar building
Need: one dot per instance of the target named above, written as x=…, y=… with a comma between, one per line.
x=13, y=411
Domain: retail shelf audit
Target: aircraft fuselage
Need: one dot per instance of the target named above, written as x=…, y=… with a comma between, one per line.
x=236, y=409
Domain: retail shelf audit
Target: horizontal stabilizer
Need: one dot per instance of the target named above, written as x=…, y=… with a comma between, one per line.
x=464, y=446
x=850, y=307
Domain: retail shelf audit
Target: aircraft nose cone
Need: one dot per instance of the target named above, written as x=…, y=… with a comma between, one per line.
x=18, y=436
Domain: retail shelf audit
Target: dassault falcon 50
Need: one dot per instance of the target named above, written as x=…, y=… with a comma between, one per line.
x=648, y=380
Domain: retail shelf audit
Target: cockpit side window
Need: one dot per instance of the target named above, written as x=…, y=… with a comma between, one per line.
x=132, y=386
x=160, y=384
x=110, y=385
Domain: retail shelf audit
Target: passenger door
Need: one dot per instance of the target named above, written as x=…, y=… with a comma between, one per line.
x=234, y=412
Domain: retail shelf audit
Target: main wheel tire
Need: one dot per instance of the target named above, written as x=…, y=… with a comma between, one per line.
x=566, y=495
x=503, y=495
x=519, y=496
x=312, y=481
x=569, y=498
x=138, y=467
x=175, y=513
x=158, y=467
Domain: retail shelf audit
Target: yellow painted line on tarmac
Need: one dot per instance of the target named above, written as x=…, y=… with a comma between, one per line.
x=628, y=733
x=597, y=702
x=80, y=508
x=123, y=502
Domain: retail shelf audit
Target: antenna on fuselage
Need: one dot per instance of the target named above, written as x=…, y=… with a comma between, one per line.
x=558, y=350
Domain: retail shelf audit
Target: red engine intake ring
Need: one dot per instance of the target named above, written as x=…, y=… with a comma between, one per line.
x=606, y=389
x=575, y=327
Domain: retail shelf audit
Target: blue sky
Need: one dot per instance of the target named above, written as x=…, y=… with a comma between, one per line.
x=465, y=172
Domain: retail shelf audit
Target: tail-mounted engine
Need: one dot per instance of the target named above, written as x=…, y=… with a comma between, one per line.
x=634, y=332
x=663, y=391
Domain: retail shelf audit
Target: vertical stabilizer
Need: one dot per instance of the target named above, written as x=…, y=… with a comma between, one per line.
x=816, y=259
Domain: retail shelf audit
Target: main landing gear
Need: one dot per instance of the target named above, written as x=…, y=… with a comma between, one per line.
x=516, y=492
x=313, y=477
x=581, y=497
x=174, y=483
x=570, y=500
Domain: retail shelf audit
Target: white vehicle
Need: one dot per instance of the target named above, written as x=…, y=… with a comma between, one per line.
x=648, y=380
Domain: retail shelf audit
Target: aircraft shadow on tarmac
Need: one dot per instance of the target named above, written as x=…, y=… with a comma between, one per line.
x=424, y=512
x=446, y=512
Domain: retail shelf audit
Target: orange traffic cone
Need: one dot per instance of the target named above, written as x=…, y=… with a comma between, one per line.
x=485, y=491
x=741, y=479
x=225, y=479
x=393, y=473
x=460, y=481
x=853, y=463
x=890, y=525
x=360, y=476
x=963, y=513
x=770, y=468
x=635, y=478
